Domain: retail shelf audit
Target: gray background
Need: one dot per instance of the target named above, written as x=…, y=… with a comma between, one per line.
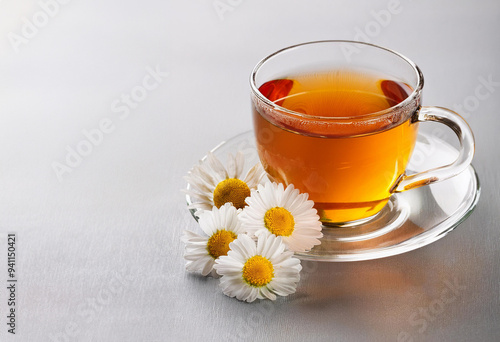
x=99, y=255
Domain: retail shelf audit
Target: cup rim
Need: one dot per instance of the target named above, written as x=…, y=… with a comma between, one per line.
x=399, y=106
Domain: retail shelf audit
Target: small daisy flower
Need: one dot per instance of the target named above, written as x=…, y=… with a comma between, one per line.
x=283, y=212
x=222, y=227
x=212, y=184
x=258, y=270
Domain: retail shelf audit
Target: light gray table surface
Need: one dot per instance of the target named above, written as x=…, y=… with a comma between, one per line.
x=99, y=256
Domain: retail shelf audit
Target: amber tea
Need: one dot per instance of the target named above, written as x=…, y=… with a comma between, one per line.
x=341, y=126
x=348, y=166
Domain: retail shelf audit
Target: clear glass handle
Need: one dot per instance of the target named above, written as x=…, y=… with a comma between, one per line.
x=465, y=137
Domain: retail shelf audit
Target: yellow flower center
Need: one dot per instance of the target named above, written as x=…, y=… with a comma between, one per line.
x=279, y=221
x=231, y=190
x=218, y=243
x=258, y=271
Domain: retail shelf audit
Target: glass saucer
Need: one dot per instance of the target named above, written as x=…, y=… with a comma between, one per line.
x=410, y=220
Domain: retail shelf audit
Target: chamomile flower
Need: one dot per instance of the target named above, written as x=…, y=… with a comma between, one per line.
x=283, y=212
x=258, y=270
x=212, y=184
x=222, y=227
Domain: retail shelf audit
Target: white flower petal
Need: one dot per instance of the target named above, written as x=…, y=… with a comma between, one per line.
x=216, y=165
x=289, y=196
x=201, y=207
x=282, y=288
x=239, y=161
x=231, y=166
x=264, y=244
x=267, y=293
x=247, y=245
x=193, y=256
x=198, y=264
x=188, y=235
x=207, y=268
x=255, y=175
